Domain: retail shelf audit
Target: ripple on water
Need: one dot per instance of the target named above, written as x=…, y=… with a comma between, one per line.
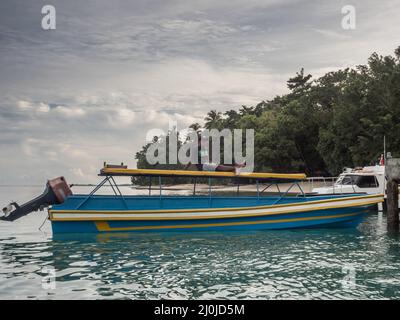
x=301, y=264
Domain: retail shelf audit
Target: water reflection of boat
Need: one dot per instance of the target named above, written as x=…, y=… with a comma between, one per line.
x=121, y=213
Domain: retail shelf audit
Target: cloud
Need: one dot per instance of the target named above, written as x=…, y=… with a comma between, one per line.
x=121, y=117
x=72, y=112
x=38, y=107
x=90, y=90
x=330, y=34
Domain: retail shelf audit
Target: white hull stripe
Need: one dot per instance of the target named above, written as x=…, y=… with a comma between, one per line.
x=335, y=200
x=131, y=215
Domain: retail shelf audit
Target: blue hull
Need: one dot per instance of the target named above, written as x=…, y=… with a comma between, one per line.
x=99, y=214
x=347, y=217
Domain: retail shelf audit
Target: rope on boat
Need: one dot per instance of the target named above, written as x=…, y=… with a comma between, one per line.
x=40, y=228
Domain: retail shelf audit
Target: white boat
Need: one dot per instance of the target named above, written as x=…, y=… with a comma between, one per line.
x=368, y=180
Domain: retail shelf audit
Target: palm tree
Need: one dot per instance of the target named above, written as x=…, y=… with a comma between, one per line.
x=213, y=120
x=260, y=108
x=246, y=110
x=300, y=81
x=231, y=119
x=195, y=127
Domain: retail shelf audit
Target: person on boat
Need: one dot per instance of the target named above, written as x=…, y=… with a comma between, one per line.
x=209, y=166
x=204, y=165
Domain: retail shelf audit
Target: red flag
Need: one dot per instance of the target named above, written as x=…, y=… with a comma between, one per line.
x=382, y=161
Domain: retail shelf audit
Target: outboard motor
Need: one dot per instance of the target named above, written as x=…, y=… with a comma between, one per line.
x=56, y=191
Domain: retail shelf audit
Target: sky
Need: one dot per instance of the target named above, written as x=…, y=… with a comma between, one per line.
x=90, y=90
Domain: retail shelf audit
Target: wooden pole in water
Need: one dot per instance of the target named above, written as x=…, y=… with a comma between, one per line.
x=392, y=171
x=392, y=188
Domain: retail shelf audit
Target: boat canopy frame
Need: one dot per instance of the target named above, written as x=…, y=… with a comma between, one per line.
x=123, y=171
x=115, y=188
x=273, y=179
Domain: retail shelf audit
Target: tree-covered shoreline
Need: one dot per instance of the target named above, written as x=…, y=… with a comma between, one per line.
x=321, y=125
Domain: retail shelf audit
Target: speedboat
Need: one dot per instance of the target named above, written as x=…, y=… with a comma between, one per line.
x=367, y=180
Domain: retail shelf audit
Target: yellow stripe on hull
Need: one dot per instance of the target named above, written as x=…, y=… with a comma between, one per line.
x=226, y=209
x=103, y=226
x=72, y=215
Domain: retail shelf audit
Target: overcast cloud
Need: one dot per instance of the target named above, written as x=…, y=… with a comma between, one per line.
x=89, y=91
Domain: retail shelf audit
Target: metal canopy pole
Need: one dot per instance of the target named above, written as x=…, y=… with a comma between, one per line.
x=92, y=193
x=266, y=187
x=149, y=185
x=119, y=191
x=112, y=187
x=160, y=185
x=116, y=186
x=286, y=192
x=209, y=192
x=301, y=189
x=194, y=186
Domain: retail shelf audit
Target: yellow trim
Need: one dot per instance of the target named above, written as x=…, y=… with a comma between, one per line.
x=184, y=173
x=208, y=217
x=220, y=209
x=104, y=226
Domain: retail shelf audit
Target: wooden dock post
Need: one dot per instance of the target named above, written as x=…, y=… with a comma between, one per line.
x=392, y=172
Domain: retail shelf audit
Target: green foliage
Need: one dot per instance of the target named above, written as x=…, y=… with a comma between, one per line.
x=213, y=120
x=364, y=110
x=143, y=164
x=321, y=126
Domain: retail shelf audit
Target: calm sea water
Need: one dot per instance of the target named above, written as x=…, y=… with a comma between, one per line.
x=362, y=263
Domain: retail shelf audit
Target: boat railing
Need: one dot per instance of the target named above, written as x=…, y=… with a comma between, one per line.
x=312, y=182
x=263, y=182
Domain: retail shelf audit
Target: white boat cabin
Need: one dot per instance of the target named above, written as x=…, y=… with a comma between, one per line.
x=369, y=180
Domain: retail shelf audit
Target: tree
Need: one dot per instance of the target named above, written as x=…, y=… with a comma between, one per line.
x=299, y=82
x=397, y=52
x=195, y=127
x=231, y=119
x=142, y=162
x=321, y=126
x=244, y=110
x=213, y=120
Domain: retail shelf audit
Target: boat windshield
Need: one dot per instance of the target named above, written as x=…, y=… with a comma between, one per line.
x=347, y=179
x=362, y=181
